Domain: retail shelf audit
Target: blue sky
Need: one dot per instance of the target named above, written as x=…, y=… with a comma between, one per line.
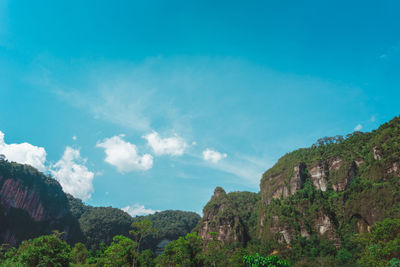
x=149, y=105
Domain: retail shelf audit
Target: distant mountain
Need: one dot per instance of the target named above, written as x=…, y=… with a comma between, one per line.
x=33, y=204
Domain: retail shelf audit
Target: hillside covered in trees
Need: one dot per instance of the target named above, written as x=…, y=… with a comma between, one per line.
x=33, y=204
x=336, y=203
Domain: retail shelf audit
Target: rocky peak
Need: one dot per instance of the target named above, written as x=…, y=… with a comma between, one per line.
x=227, y=215
x=219, y=192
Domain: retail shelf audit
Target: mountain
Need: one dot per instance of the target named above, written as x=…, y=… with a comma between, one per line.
x=33, y=204
x=318, y=197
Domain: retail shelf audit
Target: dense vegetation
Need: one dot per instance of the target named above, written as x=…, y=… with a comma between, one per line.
x=32, y=193
x=354, y=222
x=379, y=247
x=101, y=224
x=50, y=250
x=370, y=195
x=170, y=225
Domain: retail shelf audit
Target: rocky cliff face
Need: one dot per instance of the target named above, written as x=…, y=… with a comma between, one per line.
x=32, y=204
x=228, y=215
x=339, y=187
x=15, y=195
x=280, y=185
x=353, y=183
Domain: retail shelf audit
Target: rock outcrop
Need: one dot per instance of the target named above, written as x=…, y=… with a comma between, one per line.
x=227, y=216
x=276, y=186
x=32, y=204
x=14, y=195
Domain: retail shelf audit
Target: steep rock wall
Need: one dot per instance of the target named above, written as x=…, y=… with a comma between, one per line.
x=32, y=204
x=231, y=216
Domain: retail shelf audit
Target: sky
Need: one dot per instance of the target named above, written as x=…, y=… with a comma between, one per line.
x=150, y=105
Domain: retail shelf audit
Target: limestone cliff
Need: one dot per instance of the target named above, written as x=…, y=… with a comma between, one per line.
x=231, y=216
x=32, y=204
x=350, y=181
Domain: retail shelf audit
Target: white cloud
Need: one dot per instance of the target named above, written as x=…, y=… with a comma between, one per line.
x=213, y=156
x=124, y=155
x=24, y=153
x=138, y=210
x=74, y=138
x=248, y=169
x=358, y=127
x=73, y=175
x=174, y=146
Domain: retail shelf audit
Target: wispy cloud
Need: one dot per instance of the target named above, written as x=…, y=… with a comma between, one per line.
x=213, y=156
x=373, y=118
x=247, y=170
x=393, y=51
x=358, y=127
x=249, y=173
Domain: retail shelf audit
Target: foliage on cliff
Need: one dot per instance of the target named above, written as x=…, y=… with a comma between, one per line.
x=321, y=227
x=377, y=150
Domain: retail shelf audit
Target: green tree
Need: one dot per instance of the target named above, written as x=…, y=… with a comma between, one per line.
x=48, y=250
x=79, y=253
x=121, y=252
x=7, y=255
x=146, y=258
x=213, y=252
x=270, y=261
x=381, y=246
x=140, y=230
x=183, y=252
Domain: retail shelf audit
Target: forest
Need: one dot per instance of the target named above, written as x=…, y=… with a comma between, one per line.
x=376, y=248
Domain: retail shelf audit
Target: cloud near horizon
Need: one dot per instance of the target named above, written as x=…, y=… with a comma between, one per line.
x=73, y=175
x=24, y=153
x=124, y=155
x=174, y=146
x=138, y=210
x=213, y=156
